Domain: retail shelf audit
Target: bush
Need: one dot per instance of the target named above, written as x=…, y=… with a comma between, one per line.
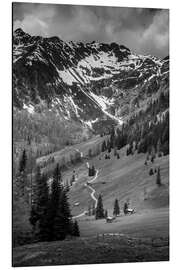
x=151, y=172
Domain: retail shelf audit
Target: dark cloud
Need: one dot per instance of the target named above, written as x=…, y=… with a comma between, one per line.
x=144, y=31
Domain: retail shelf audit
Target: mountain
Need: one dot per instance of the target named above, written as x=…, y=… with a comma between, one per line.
x=66, y=92
x=84, y=85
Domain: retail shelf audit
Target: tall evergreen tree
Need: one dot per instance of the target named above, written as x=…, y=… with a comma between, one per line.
x=90, y=152
x=61, y=224
x=42, y=208
x=59, y=208
x=23, y=162
x=89, y=210
x=90, y=171
x=75, y=231
x=99, y=208
x=39, y=206
x=51, y=211
x=54, y=214
x=22, y=176
x=33, y=217
x=106, y=213
x=93, y=209
x=72, y=179
x=158, y=177
x=116, y=210
x=35, y=187
x=125, y=208
x=93, y=170
x=65, y=210
x=66, y=186
x=115, y=151
x=103, y=147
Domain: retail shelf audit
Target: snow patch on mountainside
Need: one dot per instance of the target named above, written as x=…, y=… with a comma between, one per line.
x=104, y=103
x=89, y=123
x=29, y=108
x=102, y=61
x=66, y=76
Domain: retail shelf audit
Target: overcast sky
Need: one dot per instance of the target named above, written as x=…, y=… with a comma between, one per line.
x=144, y=31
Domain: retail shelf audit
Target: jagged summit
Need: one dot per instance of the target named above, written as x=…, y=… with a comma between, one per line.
x=19, y=31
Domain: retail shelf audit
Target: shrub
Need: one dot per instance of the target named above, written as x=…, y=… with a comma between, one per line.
x=151, y=172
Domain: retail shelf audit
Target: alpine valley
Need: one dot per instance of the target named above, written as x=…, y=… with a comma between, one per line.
x=90, y=153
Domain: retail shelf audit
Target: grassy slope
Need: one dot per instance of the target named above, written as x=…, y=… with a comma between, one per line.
x=69, y=151
x=125, y=178
x=93, y=250
x=83, y=147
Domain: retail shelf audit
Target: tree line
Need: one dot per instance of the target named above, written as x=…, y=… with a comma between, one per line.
x=46, y=203
x=50, y=213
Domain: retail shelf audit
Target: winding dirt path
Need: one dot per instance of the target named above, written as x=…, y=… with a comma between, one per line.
x=93, y=191
x=92, y=195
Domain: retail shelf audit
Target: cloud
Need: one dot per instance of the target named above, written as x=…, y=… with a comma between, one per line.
x=142, y=30
x=156, y=36
x=36, y=19
x=30, y=25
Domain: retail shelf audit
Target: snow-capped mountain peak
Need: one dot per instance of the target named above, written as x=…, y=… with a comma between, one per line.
x=83, y=81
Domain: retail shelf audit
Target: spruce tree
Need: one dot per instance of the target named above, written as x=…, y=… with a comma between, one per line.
x=93, y=209
x=158, y=177
x=33, y=217
x=89, y=210
x=103, y=148
x=99, y=208
x=35, y=187
x=106, y=213
x=115, y=151
x=125, y=208
x=59, y=212
x=76, y=231
x=93, y=171
x=42, y=209
x=39, y=207
x=116, y=210
x=56, y=220
x=61, y=222
x=90, y=152
x=22, y=176
x=90, y=171
x=23, y=162
x=65, y=211
x=66, y=186
x=73, y=178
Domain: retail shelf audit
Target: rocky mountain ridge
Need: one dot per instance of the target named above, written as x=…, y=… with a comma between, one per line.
x=89, y=83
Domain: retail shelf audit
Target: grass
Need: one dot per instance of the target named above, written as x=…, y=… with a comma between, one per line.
x=125, y=179
x=83, y=147
x=151, y=223
x=107, y=249
x=144, y=235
